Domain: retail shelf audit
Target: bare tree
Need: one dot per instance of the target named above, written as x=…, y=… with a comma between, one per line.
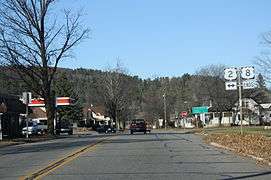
x=33, y=42
x=264, y=61
x=211, y=88
x=114, y=89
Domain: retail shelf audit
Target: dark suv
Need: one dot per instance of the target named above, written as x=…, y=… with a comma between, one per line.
x=64, y=127
x=138, y=125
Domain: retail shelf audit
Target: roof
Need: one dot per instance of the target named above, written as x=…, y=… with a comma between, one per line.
x=266, y=105
x=38, y=112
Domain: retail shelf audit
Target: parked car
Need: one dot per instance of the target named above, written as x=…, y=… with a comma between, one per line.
x=64, y=127
x=138, y=125
x=32, y=128
x=106, y=129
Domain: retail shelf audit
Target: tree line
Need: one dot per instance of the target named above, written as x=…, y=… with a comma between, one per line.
x=125, y=97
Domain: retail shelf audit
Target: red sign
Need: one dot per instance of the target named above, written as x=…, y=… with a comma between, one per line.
x=63, y=101
x=184, y=114
x=60, y=101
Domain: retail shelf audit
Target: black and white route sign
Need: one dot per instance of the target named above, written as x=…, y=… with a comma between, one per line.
x=230, y=74
x=249, y=84
x=231, y=85
x=248, y=72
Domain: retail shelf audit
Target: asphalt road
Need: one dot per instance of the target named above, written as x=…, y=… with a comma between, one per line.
x=19, y=160
x=157, y=155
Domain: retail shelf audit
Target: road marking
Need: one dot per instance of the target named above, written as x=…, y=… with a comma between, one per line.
x=60, y=162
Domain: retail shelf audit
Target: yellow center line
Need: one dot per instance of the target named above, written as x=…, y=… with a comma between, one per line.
x=62, y=161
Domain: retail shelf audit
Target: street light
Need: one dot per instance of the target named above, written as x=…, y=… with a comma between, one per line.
x=165, y=110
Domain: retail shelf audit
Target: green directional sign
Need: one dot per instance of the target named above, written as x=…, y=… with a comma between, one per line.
x=199, y=109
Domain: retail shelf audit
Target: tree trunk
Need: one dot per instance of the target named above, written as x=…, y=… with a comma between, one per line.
x=50, y=112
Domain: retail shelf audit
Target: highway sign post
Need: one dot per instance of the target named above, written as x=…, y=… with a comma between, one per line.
x=245, y=80
x=231, y=85
x=230, y=74
x=249, y=84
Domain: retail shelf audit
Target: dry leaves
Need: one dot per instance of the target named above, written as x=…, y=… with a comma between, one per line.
x=250, y=144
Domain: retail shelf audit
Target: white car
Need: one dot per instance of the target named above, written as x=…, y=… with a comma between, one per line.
x=35, y=127
x=32, y=128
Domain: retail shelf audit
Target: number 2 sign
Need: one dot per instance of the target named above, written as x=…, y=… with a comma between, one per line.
x=248, y=72
x=230, y=74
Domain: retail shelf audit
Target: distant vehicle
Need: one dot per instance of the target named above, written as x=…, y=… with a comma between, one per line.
x=138, y=125
x=32, y=128
x=149, y=127
x=106, y=129
x=64, y=127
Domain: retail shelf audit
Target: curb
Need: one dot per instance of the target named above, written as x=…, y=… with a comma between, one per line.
x=248, y=155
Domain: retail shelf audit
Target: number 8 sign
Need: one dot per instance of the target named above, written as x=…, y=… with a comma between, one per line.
x=248, y=72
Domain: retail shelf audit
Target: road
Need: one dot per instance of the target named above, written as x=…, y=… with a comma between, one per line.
x=170, y=155
x=19, y=160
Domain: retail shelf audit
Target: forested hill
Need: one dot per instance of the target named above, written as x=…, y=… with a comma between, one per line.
x=126, y=96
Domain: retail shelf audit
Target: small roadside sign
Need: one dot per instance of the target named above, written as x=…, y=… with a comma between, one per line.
x=248, y=72
x=249, y=84
x=231, y=85
x=200, y=109
x=230, y=74
x=184, y=114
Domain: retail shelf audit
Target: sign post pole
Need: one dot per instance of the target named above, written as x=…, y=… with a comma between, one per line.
x=240, y=100
x=245, y=80
x=165, y=110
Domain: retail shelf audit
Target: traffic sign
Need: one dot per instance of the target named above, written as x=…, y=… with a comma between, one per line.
x=249, y=84
x=231, y=85
x=199, y=109
x=230, y=74
x=184, y=114
x=248, y=72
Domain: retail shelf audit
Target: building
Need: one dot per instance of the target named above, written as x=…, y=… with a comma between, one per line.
x=12, y=120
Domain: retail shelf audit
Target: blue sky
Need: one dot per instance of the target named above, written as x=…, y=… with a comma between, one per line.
x=170, y=37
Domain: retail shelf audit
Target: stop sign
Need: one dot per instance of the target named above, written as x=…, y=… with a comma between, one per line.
x=184, y=113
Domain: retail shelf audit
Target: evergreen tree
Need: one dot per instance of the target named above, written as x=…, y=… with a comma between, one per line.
x=64, y=88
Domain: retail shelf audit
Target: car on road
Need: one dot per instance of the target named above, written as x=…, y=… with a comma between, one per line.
x=138, y=125
x=106, y=129
x=64, y=127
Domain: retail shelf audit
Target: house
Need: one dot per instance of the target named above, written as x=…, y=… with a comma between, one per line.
x=12, y=110
x=251, y=112
x=95, y=116
x=265, y=113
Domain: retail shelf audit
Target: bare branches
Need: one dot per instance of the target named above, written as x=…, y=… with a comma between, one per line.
x=27, y=34
x=33, y=41
x=264, y=61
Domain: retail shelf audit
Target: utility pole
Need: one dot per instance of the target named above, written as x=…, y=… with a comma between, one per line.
x=1, y=135
x=165, y=110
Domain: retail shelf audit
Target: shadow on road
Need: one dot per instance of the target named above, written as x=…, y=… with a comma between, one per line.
x=256, y=175
x=67, y=142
